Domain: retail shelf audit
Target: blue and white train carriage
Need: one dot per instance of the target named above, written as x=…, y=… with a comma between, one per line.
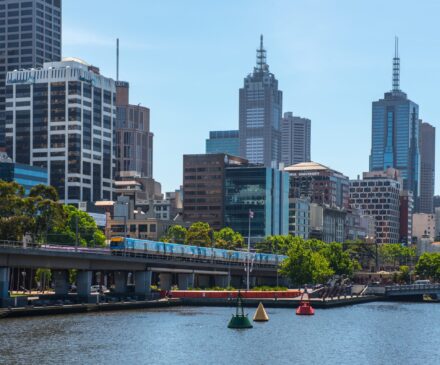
x=132, y=245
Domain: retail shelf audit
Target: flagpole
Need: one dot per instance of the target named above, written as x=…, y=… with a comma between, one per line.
x=249, y=252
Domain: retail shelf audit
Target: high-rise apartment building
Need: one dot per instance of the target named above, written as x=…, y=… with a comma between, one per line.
x=203, y=187
x=223, y=142
x=427, y=170
x=295, y=139
x=395, y=134
x=61, y=117
x=30, y=34
x=378, y=195
x=260, y=108
x=134, y=140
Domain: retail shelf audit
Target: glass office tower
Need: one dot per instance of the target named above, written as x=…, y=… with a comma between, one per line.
x=30, y=34
x=395, y=134
x=264, y=191
x=260, y=108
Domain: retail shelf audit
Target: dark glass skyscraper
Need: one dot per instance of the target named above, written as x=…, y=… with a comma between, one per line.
x=261, y=105
x=395, y=133
x=30, y=34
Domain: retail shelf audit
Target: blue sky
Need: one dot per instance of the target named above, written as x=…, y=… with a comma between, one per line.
x=186, y=60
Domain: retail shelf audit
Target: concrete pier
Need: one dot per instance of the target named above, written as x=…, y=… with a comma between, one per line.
x=120, y=282
x=185, y=281
x=83, y=283
x=165, y=281
x=142, y=283
x=60, y=279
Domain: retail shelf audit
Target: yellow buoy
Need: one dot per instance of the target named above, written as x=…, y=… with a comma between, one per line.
x=260, y=314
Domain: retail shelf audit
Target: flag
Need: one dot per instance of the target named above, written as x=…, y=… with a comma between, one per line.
x=251, y=214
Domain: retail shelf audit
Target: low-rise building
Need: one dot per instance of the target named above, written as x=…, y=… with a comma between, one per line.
x=423, y=226
x=327, y=224
x=25, y=175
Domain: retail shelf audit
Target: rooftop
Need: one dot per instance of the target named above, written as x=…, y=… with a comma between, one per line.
x=309, y=166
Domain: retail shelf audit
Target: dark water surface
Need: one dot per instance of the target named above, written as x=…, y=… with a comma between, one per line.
x=373, y=333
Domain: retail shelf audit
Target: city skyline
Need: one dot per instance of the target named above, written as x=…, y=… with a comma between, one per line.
x=315, y=64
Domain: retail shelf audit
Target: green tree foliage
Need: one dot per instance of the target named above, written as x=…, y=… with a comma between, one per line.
x=394, y=254
x=228, y=239
x=20, y=214
x=175, y=234
x=199, y=234
x=43, y=278
x=428, y=266
x=404, y=274
x=88, y=232
x=339, y=260
x=304, y=266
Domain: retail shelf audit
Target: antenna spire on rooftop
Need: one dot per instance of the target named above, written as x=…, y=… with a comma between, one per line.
x=261, y=57
x=396, y=66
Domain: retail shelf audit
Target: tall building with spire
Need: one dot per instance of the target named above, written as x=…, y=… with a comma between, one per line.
x=260, y=109
x=395, y=133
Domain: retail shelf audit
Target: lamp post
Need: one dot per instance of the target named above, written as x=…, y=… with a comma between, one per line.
x=248, y=261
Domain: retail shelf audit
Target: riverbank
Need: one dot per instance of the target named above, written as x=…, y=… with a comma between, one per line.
x=29, y=311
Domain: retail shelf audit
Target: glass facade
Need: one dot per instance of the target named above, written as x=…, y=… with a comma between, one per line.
x=30, y=34
x=25, y=175
x=260, y=189
x=223, y=142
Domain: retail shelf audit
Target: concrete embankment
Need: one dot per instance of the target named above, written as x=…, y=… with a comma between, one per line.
x=279, y=303
x=164, y=303
x=84, y=308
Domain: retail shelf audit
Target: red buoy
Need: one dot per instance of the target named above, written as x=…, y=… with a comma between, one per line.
x=305, y=309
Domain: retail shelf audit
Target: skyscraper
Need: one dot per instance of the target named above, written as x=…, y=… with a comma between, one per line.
x=30, y=34
x=134, y=140
x=427, y=168
x=260, y=108
x=295, y=139
x=62, y=118
x=395, y=133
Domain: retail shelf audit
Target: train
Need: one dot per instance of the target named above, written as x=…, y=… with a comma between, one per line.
x=121, y=245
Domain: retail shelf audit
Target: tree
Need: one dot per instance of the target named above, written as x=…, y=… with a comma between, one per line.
x=304, y=266
x=339, y=260
x=199, y=234
x=42, y=278
x=228, y=239
x=13, y=221
x=88, y=232
x=176, y=234
x=404, y=274
x=428, y=266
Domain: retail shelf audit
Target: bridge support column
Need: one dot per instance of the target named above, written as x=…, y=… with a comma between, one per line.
x=165, y=281
x=185, y=281
x=61, y=282
x=142, y=283
x=120, y=282
x=83, y=283
x=4, y=282
x=221, y=280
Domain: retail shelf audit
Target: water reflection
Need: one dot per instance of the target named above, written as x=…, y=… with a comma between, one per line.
x=373, y=333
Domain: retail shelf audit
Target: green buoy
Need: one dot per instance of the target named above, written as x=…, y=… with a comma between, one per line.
x=239, y=320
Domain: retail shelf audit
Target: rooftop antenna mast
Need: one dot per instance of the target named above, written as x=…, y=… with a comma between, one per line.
x=261, y=56
x=396, y=66
x=117, y=59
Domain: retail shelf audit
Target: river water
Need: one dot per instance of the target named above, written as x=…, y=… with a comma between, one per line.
x=372, y=333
